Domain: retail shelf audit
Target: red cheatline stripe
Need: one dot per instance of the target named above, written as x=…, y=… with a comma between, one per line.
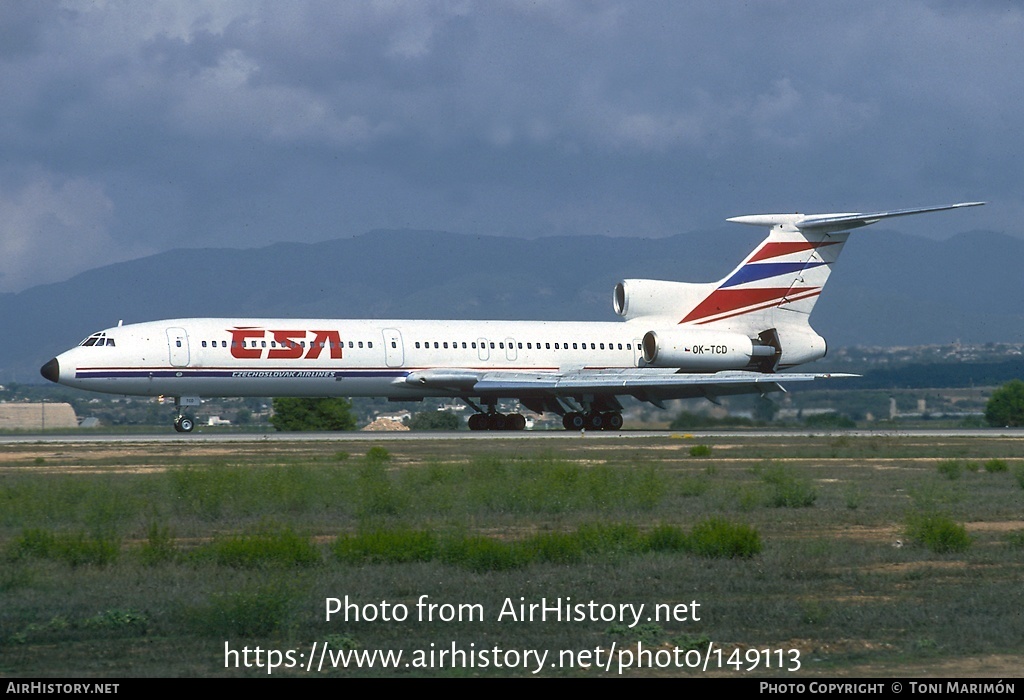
x=723, y=301
x=775, y=250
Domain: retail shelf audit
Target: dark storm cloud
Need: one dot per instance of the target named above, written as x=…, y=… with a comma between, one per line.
x=135, y=127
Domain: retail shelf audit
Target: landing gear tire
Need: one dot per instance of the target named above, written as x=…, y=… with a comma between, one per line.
x=496, y=421
x=613, y=421
x=184, y=424
x=595, y=421
x=574, y=421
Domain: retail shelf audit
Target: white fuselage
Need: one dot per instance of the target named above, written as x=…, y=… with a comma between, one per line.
x=330, y=357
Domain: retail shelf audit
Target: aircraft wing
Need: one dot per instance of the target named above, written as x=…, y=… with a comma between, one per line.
x=640, y=382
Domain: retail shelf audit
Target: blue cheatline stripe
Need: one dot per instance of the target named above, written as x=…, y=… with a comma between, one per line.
x=760, y=271
x=306, y=373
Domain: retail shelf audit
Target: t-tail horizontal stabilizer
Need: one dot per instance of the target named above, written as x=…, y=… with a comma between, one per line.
x=824, y=223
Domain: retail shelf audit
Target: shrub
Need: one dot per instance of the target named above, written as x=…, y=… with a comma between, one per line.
x=542, y=485
x=830, y=421
x=378, y=496
x=667, y=538
x=938, y=533
x=700, y=451
x=73, y=548
x=342, y=641
x=686, y=642
x=206, y=490
x=950, y=468
x=333, y=413
x=553, y=547
x=1006, y=406
x=853, y=497
x=788, y=490
x=391, y=546
x=482, y=554
x=613, y=538
x=283, y=548
x=649, y=633
x=378, y=454
x=996, y=465
x=690, y=486
x=158, y=547
x=717, y=538
x=118, y=620
x=248, y=613
x=33, y=542
x=434, y=420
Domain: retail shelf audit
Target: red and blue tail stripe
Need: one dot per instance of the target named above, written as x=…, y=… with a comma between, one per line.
x=776, y=273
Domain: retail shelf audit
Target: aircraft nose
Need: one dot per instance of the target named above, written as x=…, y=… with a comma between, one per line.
x=51, y=370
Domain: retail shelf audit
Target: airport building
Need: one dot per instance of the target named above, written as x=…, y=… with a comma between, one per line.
x=37, y=416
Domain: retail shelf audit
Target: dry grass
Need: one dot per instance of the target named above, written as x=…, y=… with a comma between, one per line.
x=836, y=580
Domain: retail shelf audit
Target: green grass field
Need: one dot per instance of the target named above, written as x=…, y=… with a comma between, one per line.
x=863, y=556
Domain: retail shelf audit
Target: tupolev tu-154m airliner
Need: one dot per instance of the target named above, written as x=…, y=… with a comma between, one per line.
x=677, y=340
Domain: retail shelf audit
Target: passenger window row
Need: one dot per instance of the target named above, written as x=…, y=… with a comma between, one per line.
x=438, y=345
x=275, y=344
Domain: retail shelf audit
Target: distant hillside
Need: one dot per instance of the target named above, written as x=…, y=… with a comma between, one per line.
x=944, y=375
x=888, y=288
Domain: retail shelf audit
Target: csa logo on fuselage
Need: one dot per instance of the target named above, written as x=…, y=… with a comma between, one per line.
x=249, y=343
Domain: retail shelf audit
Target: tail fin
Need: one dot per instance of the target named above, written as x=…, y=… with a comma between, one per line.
x=770, y=295
x=778, y=284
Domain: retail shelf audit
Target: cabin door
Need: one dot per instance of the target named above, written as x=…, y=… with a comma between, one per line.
x=177, y=346
x=394, y=352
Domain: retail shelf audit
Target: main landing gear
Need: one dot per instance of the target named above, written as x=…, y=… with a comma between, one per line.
x=497, y=421
x=594, y=420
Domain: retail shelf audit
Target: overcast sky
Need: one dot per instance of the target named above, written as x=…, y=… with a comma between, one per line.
x=129, y=128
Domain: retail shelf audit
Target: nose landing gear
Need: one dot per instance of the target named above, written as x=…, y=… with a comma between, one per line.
x=184, y=423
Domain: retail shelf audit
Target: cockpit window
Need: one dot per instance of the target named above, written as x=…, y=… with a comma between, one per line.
x=97, y=339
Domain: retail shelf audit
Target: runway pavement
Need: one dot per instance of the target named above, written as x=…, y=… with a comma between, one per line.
x=84, y=437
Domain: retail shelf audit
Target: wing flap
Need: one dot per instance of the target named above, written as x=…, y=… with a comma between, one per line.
x=629, y=381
